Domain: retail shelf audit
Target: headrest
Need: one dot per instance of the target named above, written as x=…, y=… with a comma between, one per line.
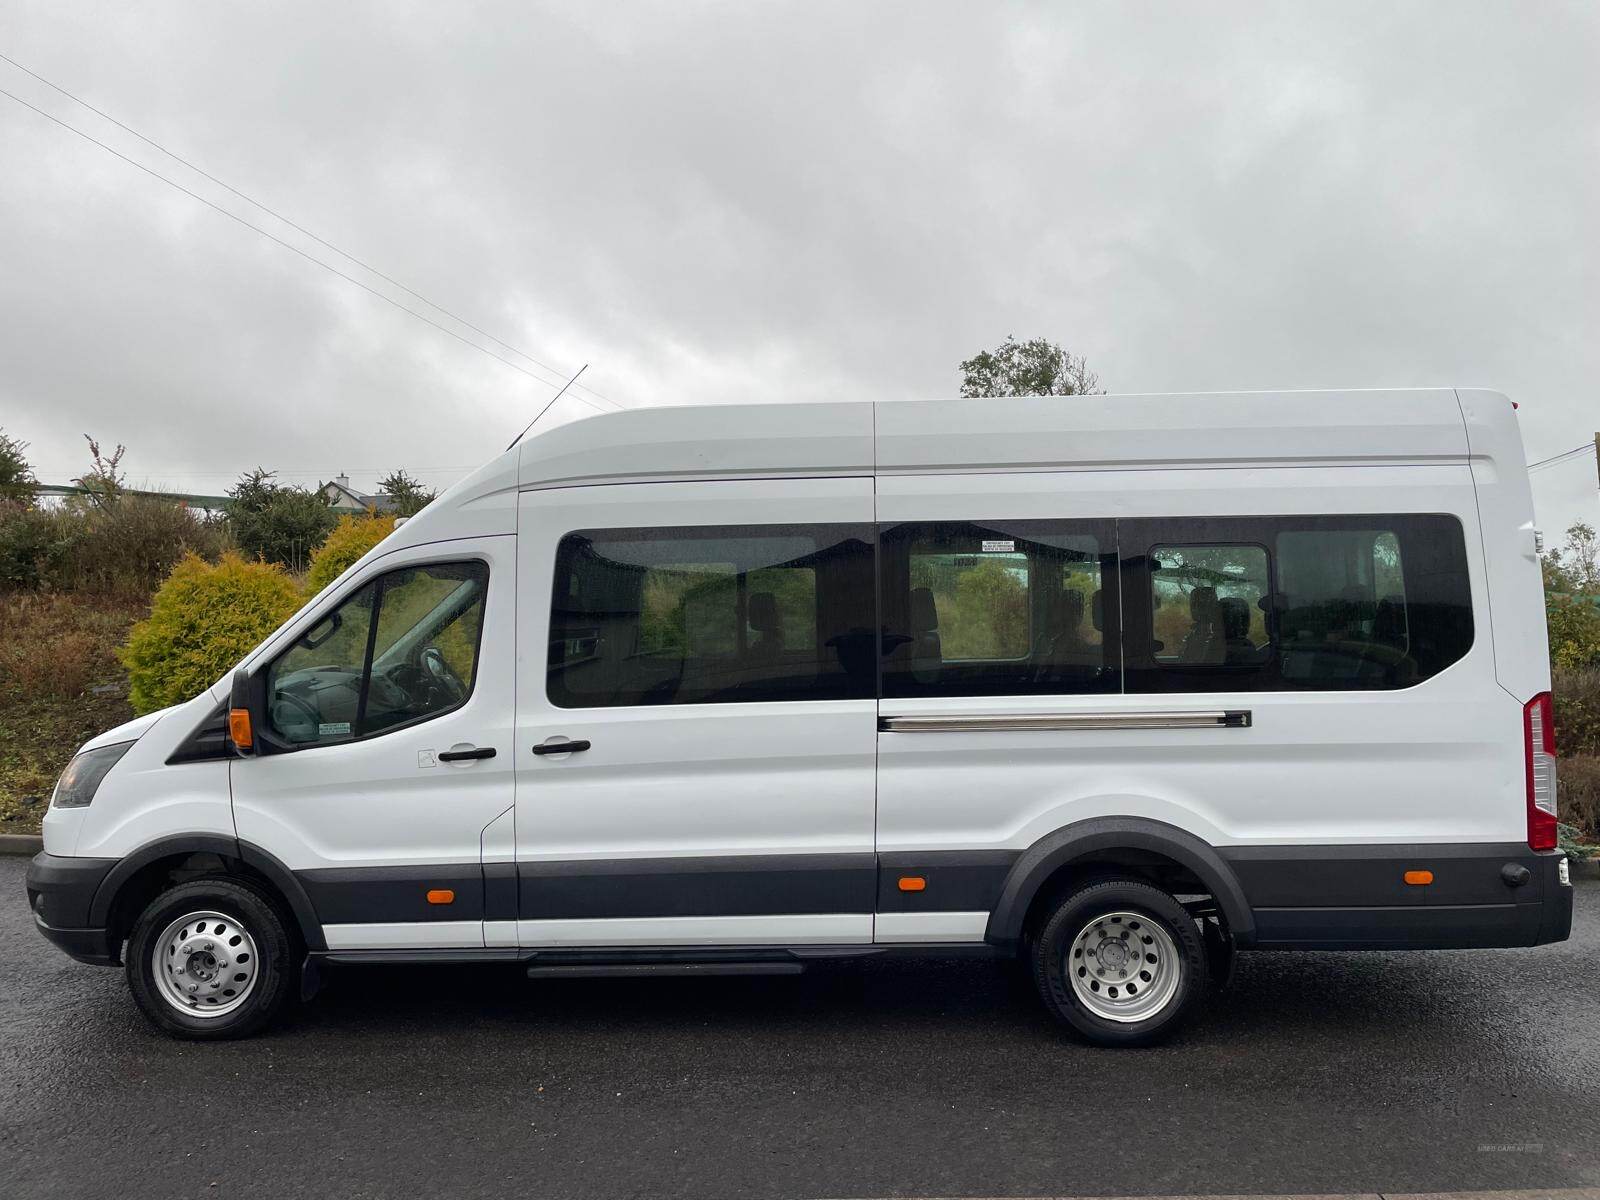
x=924, y=614
x=1235, y=616
x=1071, y=607
x=1097, y=609
x=1203, y=603
x=762, y=612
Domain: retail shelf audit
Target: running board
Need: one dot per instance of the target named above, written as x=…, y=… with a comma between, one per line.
x=615, y=970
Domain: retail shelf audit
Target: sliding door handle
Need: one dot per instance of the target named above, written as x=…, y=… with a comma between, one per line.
x=565, y=747
x=464, y=755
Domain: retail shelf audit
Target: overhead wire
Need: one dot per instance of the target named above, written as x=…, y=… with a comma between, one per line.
x=289, y=245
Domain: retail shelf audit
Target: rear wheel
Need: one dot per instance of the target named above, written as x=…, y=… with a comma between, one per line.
x=210, y=960
x=1121, y=962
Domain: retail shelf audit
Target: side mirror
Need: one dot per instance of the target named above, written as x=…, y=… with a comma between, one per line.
x=243, y=709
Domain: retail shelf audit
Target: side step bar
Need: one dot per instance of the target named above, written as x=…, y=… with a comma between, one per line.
x=623, y=970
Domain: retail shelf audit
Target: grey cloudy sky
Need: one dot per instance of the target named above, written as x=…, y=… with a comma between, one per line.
x=781, y=202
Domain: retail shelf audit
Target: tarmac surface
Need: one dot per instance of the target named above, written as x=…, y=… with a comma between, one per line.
x=1316, y=1074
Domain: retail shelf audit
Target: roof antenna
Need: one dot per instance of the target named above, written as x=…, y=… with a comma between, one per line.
x=546, y=408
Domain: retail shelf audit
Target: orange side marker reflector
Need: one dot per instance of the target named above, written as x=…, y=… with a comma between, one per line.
x=913, y=883
x=1419, y=878
x=239, y=728
x=441, y=896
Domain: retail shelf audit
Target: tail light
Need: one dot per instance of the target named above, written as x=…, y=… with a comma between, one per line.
x=1539, y=743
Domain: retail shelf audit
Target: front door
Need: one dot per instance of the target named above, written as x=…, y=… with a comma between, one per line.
x=391, y=720
x=696, y=715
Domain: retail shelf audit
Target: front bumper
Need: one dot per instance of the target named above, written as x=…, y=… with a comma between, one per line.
x=61, y=892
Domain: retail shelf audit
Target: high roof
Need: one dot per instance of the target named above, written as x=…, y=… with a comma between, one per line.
x=1012, y=433
x=575, y=446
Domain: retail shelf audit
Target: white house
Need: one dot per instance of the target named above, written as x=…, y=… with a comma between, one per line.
x=343, y=498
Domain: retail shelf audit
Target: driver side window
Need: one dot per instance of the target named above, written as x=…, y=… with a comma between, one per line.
x=401, y=649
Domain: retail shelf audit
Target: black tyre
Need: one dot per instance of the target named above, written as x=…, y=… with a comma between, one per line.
x=210, y=960
x=1121, y=962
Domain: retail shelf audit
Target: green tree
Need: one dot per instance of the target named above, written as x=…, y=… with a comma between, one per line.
x=1574, y=630
x=410, y=497
x=277, y=522
x=16, y=475
x=1036, y=367
x=1575, y=567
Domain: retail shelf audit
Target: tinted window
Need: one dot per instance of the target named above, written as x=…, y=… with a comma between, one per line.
x=998, y=609
x=1288, y=603
x=705, y=615
x=1209, y=605
x=401, y=648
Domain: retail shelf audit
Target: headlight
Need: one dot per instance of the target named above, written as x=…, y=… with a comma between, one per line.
x=81, y=779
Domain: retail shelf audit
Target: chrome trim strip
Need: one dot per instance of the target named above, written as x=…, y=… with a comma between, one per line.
x=1017, y=722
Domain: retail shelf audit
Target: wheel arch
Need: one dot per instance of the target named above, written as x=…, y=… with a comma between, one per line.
x=145, y=867
x=1097, y=842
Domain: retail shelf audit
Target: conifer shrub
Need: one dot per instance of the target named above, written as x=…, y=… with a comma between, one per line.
x=351, y=538
x=202, y=621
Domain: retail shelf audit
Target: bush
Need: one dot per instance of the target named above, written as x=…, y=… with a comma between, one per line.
x=130, y=546
x=277, y=522
x=34, y=543
x=123, y=549
x=203, y=620
x=1574, y=630
x=1577, y=696
x=351, y=538
x=1578, y=795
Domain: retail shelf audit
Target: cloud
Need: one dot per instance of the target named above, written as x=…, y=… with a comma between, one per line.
x=772, y=202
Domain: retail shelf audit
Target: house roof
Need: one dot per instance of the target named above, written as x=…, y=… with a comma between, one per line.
x=347, y=497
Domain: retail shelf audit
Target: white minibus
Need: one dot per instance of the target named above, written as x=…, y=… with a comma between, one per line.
x=1114, y=685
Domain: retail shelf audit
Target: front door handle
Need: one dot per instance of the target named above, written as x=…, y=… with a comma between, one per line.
x=463, y=755
x=571, y=747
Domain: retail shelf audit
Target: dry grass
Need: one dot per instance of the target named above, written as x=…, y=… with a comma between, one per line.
x=60, y=684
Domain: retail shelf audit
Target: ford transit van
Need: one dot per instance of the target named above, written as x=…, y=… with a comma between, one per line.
x=1114, y=685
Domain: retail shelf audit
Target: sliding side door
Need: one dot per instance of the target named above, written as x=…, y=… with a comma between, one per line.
x=696, y=716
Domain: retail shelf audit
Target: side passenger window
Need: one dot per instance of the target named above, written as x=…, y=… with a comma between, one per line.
x=401, y=649
x=1297, y=603
x=1210, y=605
x=712, y=615
x=1006, y=608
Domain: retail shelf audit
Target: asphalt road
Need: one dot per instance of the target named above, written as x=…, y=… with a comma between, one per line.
x=1319, y=1073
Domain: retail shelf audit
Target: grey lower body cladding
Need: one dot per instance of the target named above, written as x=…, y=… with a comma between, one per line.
x=1332, y=897
x=1350, y=897
x=1356, y=897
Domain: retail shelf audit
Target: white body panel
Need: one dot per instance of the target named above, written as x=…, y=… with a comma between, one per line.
x=144, y=800
x=386, y=801
x=690, y=780
x=1432, y=763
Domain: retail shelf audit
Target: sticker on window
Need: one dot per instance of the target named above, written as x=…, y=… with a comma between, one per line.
x=999, y=546
x=334, y=729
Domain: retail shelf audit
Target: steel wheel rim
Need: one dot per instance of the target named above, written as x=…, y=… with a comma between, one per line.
x=1124, y=966
x=205, y=964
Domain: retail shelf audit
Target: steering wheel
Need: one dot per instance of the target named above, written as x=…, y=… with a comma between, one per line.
x=439, y=670
x=311, y=712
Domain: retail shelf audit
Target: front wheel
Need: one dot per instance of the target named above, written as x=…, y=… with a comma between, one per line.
x=1121, y=962
x=210, y=960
